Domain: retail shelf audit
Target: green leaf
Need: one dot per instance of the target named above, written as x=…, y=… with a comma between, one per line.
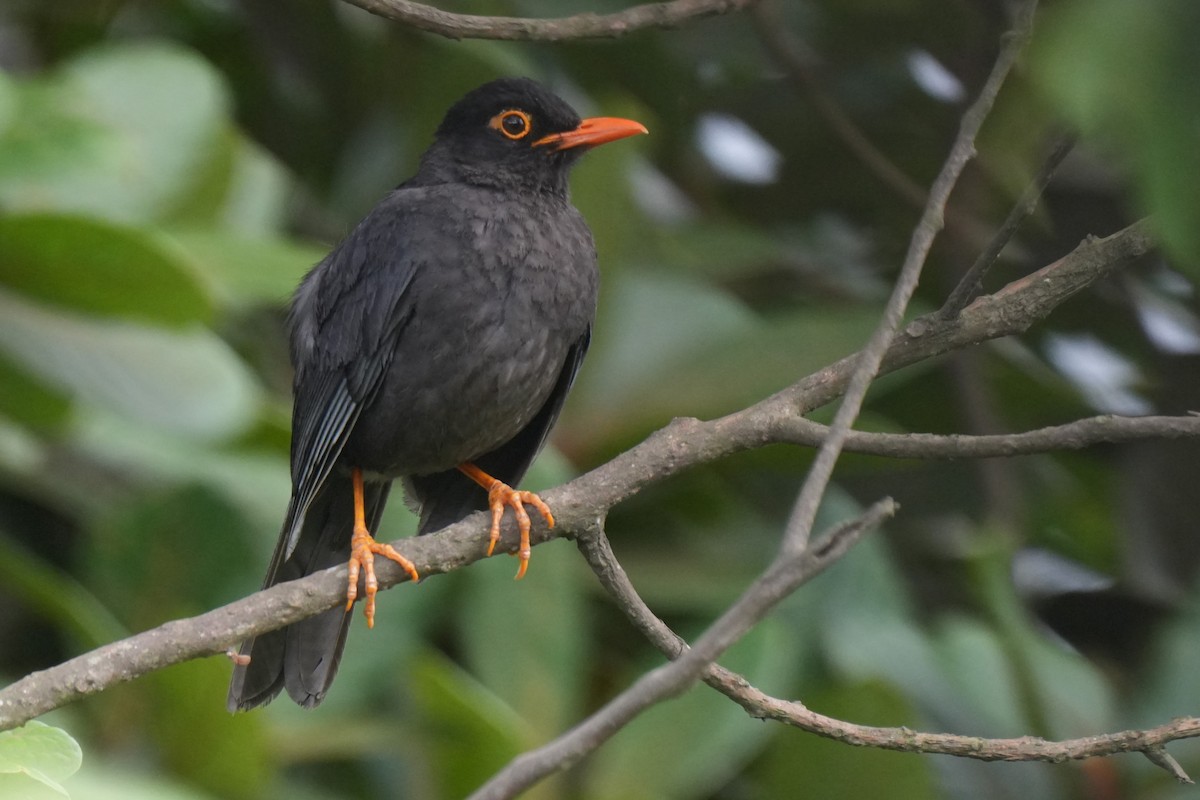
x=980, y=683
x=170, y=107
x=130, y=132
x=1046, y=685
x=226, y=756
x=1166, y=688
x=8, y=104
x=119, y=781
x=692, y=744
x=674, y=539
x=46, y=146
x=247, y=268
x=468, y=732
x=189, y=382
x=143, y=558
x=99, y=268
x=1125, y=73
x=56, y=596
x=869, y=629
x=27, y=400
x=525, y=639
x=257, y=481
x=240, y=188
x=800, y=765
x=40, y=753
x=651, y=321
x=259, y=192
x=668, y=346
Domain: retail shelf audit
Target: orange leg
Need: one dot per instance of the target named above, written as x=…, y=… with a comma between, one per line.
x=500, y=494
x=363, y=549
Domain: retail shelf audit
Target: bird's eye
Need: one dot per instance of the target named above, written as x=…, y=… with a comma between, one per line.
x=513, y=124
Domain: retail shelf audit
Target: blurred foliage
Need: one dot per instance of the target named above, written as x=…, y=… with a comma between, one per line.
x=34, y=759
x=169, y=170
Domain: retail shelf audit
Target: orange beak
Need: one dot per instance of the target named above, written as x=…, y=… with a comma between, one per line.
x=592, y=132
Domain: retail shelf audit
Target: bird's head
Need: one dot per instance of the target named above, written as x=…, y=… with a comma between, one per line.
x=514, y=131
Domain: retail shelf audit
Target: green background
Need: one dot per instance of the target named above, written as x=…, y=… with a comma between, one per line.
x=169, y=170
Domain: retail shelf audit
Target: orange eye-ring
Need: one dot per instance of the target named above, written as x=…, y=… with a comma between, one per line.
x=513, y=124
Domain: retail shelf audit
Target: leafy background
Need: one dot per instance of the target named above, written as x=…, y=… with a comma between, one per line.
x=169, y=170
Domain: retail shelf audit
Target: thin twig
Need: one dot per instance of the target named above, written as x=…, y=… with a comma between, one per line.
x=777, y=582
x=871, y=358
x=797, y=65
x=1104, y=429
x=1022, y=748
x=968, y=288
x=598, y=552
x=580, y=26
x=800, y=67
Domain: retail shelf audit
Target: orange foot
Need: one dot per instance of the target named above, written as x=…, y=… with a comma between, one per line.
x=500, y=495
x=363, y=549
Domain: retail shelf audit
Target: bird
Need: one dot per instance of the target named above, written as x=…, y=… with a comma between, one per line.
x=435, y=344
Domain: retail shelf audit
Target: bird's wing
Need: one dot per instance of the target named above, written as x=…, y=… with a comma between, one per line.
x=323, y=417
x=446, y=497
x=345, y=329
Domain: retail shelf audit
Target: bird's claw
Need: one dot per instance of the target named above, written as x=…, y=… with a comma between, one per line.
x=500, y=496
x=363, y=549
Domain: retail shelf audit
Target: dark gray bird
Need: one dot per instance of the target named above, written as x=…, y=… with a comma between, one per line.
x=436, y=344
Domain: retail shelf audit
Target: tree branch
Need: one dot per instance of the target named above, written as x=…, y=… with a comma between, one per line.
x=1011, y=310
x=681, y=445
x=596, y=550
x=779, y=580
x=795, y=561
x=1023, y=748
x=870, y=360
x=579, y=26
x=1107, y=428
x=968, y=286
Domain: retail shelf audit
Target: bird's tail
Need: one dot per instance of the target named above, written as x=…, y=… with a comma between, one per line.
x=303, y=657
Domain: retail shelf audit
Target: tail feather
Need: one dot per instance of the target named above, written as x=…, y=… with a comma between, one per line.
x=303, y=658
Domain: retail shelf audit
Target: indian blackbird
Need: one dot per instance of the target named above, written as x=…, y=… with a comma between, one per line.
x=435, y=344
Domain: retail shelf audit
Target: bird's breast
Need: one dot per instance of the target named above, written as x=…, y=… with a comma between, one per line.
x=491, y=318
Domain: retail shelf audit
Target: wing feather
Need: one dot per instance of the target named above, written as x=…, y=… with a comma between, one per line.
x=333, y=388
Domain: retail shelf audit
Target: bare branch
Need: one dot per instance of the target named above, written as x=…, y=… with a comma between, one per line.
x=679, y=446
x=580, y=26
x=1107, y=428
x=795, y=562
x=1159, y=757
x=871, y=358
x=1023, y=748
x=776, y=583
x=582, y=505
x=969, y=286
x=596, y=550
x=1011, y=310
